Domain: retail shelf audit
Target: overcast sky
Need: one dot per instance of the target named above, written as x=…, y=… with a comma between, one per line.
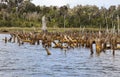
x=99, y=3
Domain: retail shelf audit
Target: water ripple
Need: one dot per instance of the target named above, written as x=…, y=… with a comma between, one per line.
x=32, y=61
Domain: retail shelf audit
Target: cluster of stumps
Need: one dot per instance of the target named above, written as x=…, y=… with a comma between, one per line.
x=69, y=39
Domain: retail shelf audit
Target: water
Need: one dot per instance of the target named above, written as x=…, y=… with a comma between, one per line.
x=32, y=61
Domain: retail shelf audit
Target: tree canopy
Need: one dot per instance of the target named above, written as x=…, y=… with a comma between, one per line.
x=23, y=13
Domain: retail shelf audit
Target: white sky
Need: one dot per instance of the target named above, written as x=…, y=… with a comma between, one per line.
x=72, y=3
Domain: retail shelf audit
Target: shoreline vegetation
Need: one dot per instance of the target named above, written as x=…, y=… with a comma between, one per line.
x=27, y=14
x=38, y=29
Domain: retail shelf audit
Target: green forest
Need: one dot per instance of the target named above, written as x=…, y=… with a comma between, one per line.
x=20, y=13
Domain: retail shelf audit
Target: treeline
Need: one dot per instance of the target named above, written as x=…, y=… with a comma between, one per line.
x=20, y=13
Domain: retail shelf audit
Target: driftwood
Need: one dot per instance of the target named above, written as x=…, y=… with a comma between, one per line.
x=69, y=40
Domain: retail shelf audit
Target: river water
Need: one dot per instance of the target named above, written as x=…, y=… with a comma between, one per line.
x=32, y=61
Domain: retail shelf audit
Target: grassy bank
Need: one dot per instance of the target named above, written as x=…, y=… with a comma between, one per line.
x=38, y=29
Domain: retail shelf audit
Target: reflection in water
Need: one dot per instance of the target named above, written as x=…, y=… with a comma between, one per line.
x=32, y=61
x=113, y=53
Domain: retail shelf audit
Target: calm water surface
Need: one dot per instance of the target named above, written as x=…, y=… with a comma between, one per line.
x=32, y=61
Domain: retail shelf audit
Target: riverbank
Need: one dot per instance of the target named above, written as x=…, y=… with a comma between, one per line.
x=37, y=29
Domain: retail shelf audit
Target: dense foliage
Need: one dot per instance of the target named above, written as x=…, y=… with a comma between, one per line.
x=20, y=13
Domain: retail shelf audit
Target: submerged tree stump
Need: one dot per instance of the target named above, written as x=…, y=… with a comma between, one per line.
x=48, y=52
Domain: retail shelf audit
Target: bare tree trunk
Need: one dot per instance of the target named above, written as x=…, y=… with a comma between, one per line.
x=64, y=22
x=118, y=22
